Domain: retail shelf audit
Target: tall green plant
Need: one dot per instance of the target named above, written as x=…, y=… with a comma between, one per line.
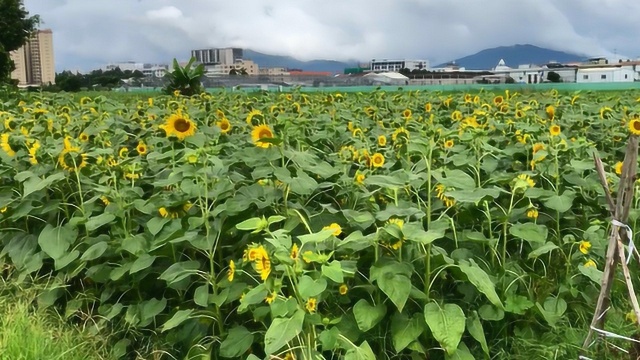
x=185, y=80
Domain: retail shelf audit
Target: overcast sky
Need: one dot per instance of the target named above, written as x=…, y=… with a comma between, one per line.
x=90, y=33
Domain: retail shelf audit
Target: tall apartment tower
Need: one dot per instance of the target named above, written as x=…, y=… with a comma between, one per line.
x=225, y=56
x=34, y=61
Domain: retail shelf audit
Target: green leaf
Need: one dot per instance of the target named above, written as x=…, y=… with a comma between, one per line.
x=315, y=237
x=414, y=232
x=552, y=310
x=457, y=179
x=362, y=352
x=474, y=327
x=251, y=224
x=66, y=259
x=308, y=287
x=156, y=224
x=491, y=313
x=396, y=286
x=35, y=183
x=329, y=339
x=368, y=316
x=281, y=331
x=141, y=263
x=237, y=342
x=473, y=196
x=150, y=309
x=404, y=331
x=55, y=241
x=95, y=251
x=481, y=281
x=446, y=323
x=95, y=222
x=179, y=271
x=333, y=272
x=359, y=218
x=517, y=304
x=529, y=232
x=178, y=318
x=560, y=203
x=592, y=273
x=201, y=295
x=544, y=249
x=462, y=353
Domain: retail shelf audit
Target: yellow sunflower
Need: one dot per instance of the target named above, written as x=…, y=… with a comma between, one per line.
x=83, y=137
x=406, y=113
x=618, y=168
x=456, y=115
x=382, y=140
x=360, y=178
x=261, y=132
x=72, y=159
x=377, y=160
x=263, y=263
x=224, y=125
x=498, y=100
x=448, y=144
x=123, y=152
x=294, y=252
x=585, y=246
x=551, y=112
x=311, y=305
x=537, y=147
x=401, y=134
x=555, y=130
x=179, y=125
x=232, y=270
x=343, y=289
x=141, y=148
x=532, y=213
x=270, y=297
x=634, y=126
x=337, y=229
x=4, y=143
x=33, y=149
x=252, y=114
x=428, y=107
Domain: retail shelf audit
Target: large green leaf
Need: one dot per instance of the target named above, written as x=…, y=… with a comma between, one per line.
x=560, y=203
x=530, y=232
x=397, y=287
x=362, y=352
x=447, y=324
x=542, y=250
x=178, y=318
x=35, y=183
x=55, y=241
x=141, y=263
x=308, y=287
x=281, y=331
x=96, y=221
x=368, y=316
x=474, y=327
x=462, y=353
x=404, y=331
x=237, y=342
x=95, y=251
x=481, y=281
x=333, y=272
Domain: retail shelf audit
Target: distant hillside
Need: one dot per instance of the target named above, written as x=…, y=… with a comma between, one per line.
x=265, y=60
x=513, y=56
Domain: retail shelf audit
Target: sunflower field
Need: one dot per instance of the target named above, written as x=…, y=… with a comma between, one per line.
x=379, y=225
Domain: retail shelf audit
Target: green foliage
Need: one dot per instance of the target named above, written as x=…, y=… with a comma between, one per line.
x=185, y=80
x=356, y=226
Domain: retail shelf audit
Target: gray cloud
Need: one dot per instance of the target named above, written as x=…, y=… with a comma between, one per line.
x=88, y=34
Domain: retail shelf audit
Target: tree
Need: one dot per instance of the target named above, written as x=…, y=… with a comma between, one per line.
x=185, y=80
x=554, y=77
x=16, y=28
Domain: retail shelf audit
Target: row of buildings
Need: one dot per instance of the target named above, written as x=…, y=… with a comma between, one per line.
x=35, y=61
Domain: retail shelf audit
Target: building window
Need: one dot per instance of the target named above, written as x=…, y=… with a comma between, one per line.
x=626, y=76
x=585, y=77
x=603, y=76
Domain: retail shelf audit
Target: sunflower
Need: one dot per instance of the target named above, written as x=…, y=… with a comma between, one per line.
x=224, y=125
x=270, y=297
x=377, y=160
x=337, y=229
x=605, y=112
x=123, y=152
x=141, y=148
x=261, y=132
x=72, y=159
x=406, y=113
x=10, y=123
x=232, y=271
x=532, y=213
x=590, y=263
x=428, y=107
x=83, y=137
x=574, y=99
x=33, y=149
x=468, y=98
x=476, y=99
x=525, y=181
x=537, y=147
x=401, y=134
x=448, y=144
x=634, y=126
x=311, y=305
x=395, y=221
x=618, y=168
x=343, y=289
x=84, y=100
x=456, y=115
x=551, y=112
x=263, y=263
x=519, y=114
x=4, y=143
x=179, y=125
x=382, y=140
x=252, y=114
x=585, y=246
x=555, y=130
x=360, y=178
x=498, y=100
x=294, y=252
x=105, y=200
x=168, y=213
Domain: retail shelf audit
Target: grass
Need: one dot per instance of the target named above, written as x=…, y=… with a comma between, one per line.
x=28, y=333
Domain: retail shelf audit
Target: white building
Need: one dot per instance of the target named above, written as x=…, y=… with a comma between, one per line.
x=397, y=65
x=606, y=74
x=155, y=71
x=124, y=66
x=534, y=74
x=387, y=78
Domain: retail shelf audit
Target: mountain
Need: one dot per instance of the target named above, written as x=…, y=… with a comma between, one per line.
x=513, y=56
x=265, y=60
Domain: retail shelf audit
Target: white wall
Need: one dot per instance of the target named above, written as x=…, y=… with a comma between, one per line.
x=596, y=75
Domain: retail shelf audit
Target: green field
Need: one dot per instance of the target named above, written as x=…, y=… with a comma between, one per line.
x=360, y=225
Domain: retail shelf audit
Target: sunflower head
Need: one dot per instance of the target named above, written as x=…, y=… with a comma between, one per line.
x=141, y=148
x=255, y=117
x=261, y=132
x=179, y=126
x=382, y=140
x=224, y=125
x=448, y=144
x=377, y=160
x=83, y=137
x=555, y=130
x=634, y=126
x=551, y=112
x=71, y=159
x=498, y=100
x=406, y=113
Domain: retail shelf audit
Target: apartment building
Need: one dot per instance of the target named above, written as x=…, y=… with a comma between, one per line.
x=225, y=56
x=35, y=62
